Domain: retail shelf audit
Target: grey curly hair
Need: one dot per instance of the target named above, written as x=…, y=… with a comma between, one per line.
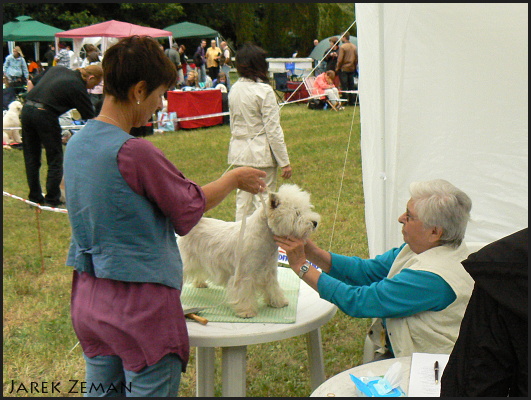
x=439, y=203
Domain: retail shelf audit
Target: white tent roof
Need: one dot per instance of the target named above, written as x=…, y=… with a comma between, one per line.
x=444, y=94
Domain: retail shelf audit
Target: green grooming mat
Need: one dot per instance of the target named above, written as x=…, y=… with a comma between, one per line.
x=214, y=297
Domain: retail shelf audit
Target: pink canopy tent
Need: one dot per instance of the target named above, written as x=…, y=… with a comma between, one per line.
x=104, y=31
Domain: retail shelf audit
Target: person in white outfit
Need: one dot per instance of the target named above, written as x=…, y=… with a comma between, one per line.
x=257, y=137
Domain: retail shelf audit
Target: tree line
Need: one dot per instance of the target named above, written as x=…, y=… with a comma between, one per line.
x=280, y=28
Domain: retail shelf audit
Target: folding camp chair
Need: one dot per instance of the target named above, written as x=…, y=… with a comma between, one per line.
x=281, y=84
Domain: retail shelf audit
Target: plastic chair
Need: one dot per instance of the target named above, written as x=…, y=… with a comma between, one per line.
x=281, y=84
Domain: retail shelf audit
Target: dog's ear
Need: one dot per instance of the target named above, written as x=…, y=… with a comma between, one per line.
x=274, y=200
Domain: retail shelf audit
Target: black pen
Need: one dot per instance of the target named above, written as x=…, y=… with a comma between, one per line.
x=436, y=369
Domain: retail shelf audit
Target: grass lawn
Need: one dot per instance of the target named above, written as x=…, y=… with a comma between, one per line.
x=39, y=342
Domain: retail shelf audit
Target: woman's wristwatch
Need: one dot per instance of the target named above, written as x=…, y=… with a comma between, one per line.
x=305, y=268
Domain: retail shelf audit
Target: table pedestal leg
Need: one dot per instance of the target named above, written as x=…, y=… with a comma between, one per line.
x=234, y=365
x=205, y=357
x=315, y=356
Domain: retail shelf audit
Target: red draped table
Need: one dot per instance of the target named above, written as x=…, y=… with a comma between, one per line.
x=196, y=103
x=300, y=94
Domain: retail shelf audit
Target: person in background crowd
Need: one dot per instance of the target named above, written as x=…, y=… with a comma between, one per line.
x=213, y=54
x=184, y=62
x=192, y=79
x=226, y=61
x=92, y=55
x=173, y=54
x=220, y=80
x=96, y=93
x=257, y=138
x=324, y=84
x=347, y=67
x=55, y=91
x=63, y=57
x=200, y=61
x=417, y=292
x=16, y=69
x=331, y=57
x=34, y=68
x=490, y=357
x=49, y=56
x=127, y=271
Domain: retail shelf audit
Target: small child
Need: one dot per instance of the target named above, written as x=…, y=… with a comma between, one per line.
x=221, y=79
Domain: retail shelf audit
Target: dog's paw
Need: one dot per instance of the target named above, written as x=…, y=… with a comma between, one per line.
x=246, y=314
x=200, y=284
x=278, y=303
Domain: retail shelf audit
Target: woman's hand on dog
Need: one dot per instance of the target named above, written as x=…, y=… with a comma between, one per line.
x=250, y=179
x=294, y=249
x=245, y=178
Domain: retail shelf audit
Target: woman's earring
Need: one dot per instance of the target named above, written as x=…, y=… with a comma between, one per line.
x=138, y=102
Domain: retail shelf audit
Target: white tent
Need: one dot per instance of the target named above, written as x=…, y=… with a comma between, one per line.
x=444, y=94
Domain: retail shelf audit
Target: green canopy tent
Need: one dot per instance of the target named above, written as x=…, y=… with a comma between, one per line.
x=318, y=51
x=190, y=30
x=26, y=29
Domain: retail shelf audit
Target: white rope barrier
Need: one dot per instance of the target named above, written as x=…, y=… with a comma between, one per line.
x=31, y=203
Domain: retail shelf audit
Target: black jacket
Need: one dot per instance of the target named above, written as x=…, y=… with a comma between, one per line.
x=490, y=355
x=61, y=89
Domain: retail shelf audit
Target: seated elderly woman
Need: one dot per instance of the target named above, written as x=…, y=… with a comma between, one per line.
x=126, y=201
x=418, y=291
x=324, y=84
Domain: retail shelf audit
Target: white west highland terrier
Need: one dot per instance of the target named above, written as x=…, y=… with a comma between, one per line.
x=209, y=250
x=12, y=120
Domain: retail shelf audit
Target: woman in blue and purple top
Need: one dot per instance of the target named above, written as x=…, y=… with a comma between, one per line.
x=125, y=202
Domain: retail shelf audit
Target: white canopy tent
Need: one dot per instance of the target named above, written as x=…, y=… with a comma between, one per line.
x=444, y=94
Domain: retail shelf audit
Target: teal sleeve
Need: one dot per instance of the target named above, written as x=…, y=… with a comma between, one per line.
x=358, y=271
x=407, y=293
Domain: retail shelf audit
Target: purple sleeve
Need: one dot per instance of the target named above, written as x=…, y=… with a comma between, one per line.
x=150, y=174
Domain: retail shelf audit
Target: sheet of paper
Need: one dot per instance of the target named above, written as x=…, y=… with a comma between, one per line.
x=422, y=374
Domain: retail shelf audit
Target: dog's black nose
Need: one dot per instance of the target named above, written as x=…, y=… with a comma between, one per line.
x=314, y=224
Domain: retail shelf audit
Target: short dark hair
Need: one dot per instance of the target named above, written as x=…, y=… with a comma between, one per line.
x=93, y=56
x=251, y=62
x=134, y=59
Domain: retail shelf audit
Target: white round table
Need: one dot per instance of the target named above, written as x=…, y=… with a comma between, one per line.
x=341, y=385
x=233, y=338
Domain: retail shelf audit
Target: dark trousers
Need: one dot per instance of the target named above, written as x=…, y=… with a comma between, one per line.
x=347, y=83
x=41, y=128
x=213, y=72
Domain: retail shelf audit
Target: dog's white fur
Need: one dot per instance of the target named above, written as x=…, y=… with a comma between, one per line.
x=209, y=250
x=12, y=120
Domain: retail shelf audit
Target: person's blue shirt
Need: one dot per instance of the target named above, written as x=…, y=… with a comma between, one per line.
x=361, y=289
x=15, y=67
